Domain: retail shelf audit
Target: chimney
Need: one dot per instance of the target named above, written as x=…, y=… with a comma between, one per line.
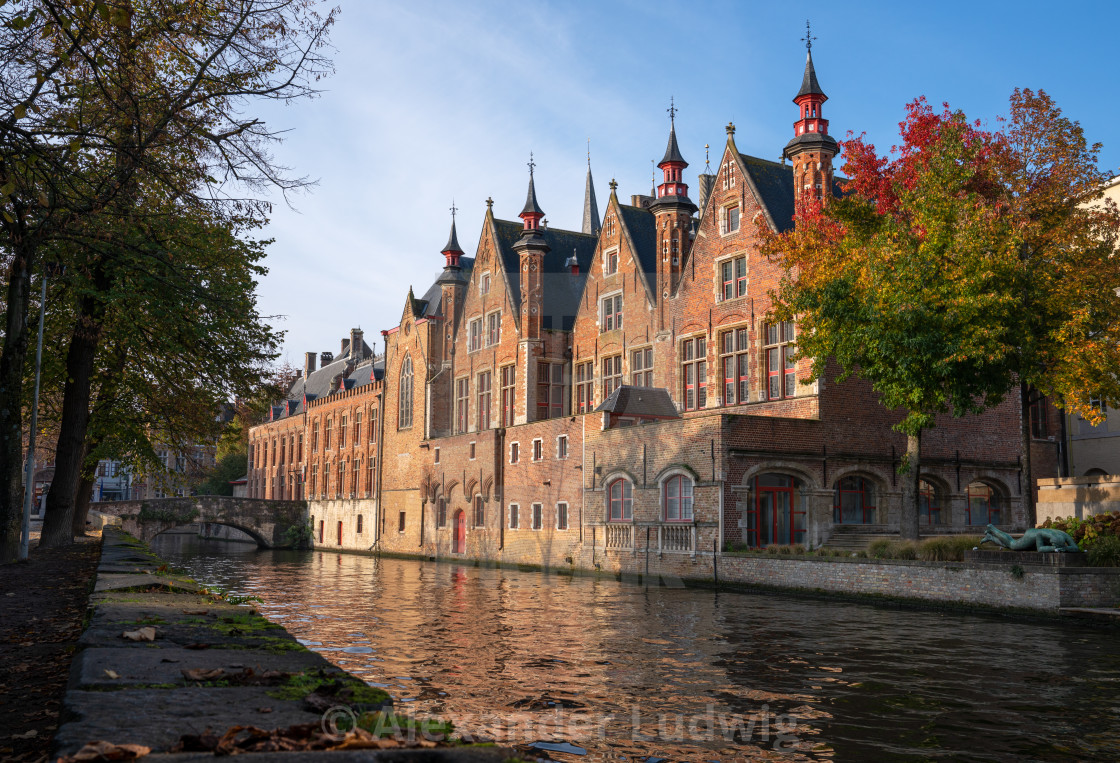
x=345, y=347
x=640, y=201
x=707, y=183
x=325, y=359
x=357, y=348
x=308, y=364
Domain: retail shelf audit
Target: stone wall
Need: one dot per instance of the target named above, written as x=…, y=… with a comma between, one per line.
x=1078, y=496
x=266, y=521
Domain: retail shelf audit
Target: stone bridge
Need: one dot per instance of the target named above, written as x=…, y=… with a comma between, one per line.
x=267, y=522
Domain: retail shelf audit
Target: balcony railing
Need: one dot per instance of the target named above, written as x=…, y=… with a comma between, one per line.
x=676, y=539
x=619, y=537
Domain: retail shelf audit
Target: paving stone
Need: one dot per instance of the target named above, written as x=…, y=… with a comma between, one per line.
x=435, y=755
x=119, y=582
x=165, y=666
x=156, y=718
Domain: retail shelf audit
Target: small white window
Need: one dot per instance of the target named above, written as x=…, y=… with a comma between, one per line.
x=484, y=283
x=562, y=446
x=514, y=452
x=538, y=450
x=435, y=455
x=513, y=509
x=472, y=451
x=561, y=516
x=537, y=513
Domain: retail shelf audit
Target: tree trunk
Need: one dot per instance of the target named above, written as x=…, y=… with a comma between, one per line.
x=12, y=359
x=58, y=525
x=81, y=504
x=908, y=514
x=1027, y=487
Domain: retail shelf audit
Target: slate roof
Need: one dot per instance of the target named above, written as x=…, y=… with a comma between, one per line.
x=531, y=206
x=672, y=151
x=809, y=84
x=452, y=241
x=642, y=402
x=318, y=384
x=643, y=233
x=774, y=182
x=562, y=290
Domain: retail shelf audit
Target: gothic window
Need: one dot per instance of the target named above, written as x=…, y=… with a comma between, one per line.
x=694, y=372
x=462, y=404
x=404, y=404
x=641, y=367
x=357, y=428
x=508, y=379
x=678, y=499
x=493, y=328
x=733, y=361
x=552, y=390
x=733, y=278
x=327, y=435
x=781, y=371
x=611, y=316
x=621, y=498
x=585, y=389
x=483, y=400
x=342, y=434
x=612, y=375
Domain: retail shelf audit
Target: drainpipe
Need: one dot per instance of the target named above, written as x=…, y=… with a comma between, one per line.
x=499, y=483
x=380, y=452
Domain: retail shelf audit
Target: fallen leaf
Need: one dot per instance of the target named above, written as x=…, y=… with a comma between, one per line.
x=147, y=633
x=203, y=674
x=27, y=735
x=112, y=674
x=98, y=751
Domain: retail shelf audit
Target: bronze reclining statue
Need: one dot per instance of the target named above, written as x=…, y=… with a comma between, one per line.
x=1034, y=539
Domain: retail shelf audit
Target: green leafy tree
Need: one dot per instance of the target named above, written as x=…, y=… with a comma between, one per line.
x=216, y=482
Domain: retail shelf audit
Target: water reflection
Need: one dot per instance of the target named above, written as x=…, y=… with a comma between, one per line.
x=626, y=672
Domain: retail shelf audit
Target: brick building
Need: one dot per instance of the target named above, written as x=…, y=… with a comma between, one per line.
x=585, y=397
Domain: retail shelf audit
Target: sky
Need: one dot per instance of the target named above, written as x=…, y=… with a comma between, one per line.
x=435, y=101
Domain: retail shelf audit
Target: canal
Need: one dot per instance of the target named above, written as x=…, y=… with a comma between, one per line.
x=606, y=670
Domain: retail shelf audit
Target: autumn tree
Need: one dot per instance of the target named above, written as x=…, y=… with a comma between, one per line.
x=108, y=103
x=1065, y=339
x=893, y=280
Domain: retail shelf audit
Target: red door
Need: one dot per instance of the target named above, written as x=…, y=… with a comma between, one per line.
x=459, y=542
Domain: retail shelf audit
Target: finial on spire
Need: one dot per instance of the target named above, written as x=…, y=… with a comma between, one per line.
x=672, y=111
x=707, y=162
x=652, y=177
x=532, y=212
x=730, y=128
x=589, y=153
x=808, y=38
x=489, y=203
x=613, y=184
x=454, y=209
x=532, y=164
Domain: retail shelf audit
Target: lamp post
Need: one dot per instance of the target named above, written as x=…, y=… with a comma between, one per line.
x=29, y=484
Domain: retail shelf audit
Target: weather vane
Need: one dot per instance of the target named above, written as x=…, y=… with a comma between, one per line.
x=808, y=38
x=454, y=209
x=672, y=109
x=589, y=152
x=532, y=164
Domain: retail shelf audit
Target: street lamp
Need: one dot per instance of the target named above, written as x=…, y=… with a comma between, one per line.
x=29, y=484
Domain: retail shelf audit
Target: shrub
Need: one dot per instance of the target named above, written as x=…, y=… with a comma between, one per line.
x=1087, y=532
x=905, y=550
x=1105, y=552
x=947, y=549
x=880, y=549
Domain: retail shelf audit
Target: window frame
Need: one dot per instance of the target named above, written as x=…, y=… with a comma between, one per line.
x=585, y=387
x=515, y=452
x=462, y=404
x=484, y=399
x=780, y=345
x=537, y=449
x=508, y=392
x=678, y=478
x=562, y=514
x=610, y=261
x=732, y=277
x=552, y=395
x=405, y=394
x=641, y=372
x=610, y=312
x=536, y=521
x=737, y=358
x=561, y=447
x=493, y=328
x=474, y=334
x=694, y=361
x=625, y=500
x=514, y=519
x=612, y=374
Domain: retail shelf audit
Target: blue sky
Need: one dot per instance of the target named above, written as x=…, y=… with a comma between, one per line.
x=434, y=101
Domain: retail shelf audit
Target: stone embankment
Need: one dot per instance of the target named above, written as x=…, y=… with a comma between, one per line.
x=168, y=666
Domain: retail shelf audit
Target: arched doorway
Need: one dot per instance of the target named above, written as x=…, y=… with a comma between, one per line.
x=459, y=538
x=777, y=513
x=854, y=503
x=985, y=504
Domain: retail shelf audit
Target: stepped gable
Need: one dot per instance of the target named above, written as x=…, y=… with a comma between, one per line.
x=562, y=290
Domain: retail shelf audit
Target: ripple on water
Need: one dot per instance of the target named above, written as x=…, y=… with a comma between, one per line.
x=842, y=681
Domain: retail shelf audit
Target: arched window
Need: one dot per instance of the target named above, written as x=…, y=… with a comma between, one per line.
x=984, y=505
x=678, y=499
x=479, y=512
x=404, y=414
x=622, y=501
x=929, y=504
x=855, y=501
x=441, y=512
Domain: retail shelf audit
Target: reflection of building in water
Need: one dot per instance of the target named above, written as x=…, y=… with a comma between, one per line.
x=588, y=397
